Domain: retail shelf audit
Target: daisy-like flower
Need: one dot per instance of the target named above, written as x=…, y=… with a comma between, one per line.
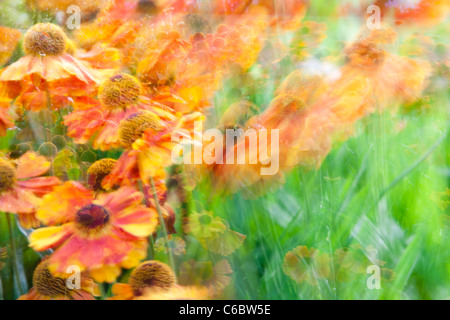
x=47, y=73
x=46, y=286
x=21, y=186
x=148, y=142
x=214, y=233
x=175, y=244
x=98, y=234
x=205, y=273
x=119, y=98
x=392, y=78
x=148, y=276
x=303, y=264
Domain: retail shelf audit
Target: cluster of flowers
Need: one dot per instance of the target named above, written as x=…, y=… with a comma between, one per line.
x=121, y=85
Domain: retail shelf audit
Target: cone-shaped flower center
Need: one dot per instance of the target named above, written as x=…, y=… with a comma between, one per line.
x=99, y=170
x=92, y=217
x=135, y=125
x=119, y=91
x=45, y=39
x=46, y=284
x=151, y=274
x=7, y=176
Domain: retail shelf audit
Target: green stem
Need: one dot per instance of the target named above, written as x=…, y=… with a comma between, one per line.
x=12, y=242
x=162, y=223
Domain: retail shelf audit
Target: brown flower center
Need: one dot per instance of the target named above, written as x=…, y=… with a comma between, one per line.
x=46, y=284
x=7, y=176
x=92, y=218
x=45, y=39
x=98, y=171
x=133, y=127
x=151, y=274
x=119, y=91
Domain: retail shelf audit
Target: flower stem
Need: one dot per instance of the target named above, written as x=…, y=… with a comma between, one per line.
x=12, y=241
x=162, y=223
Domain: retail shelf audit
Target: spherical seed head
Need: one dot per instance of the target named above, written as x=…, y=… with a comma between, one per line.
x=98, y=171
x=151, y=274
x=119, y=91
x=7, y=176
x=48, y=149
x=133, y=127
x=45, y=39
x=46, y=284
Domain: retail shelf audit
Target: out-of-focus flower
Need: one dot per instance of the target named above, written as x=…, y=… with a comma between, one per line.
x=175, y=244
x=422, y=12
x=100, y=235
x=213, y=233
x=393, y=78
x=120, y=98
x=147, y=277
x=9, y=38
x=47, y=286
x=204, y=273
x=306, y=265
x=47, y=76
x=21, y=186
x=7, y=114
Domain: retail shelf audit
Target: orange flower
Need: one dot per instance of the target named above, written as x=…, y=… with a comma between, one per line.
x=21, y=187
x=8, y=43
x=120, y=98
x=394, y=79
x=100, y=235
x=423, y=12
x=7, y=116
x=49, y=287
x=148, y=143
x=47, y=73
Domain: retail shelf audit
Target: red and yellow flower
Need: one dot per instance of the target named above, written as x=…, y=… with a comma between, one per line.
x=120, y=98
x=47, y=76
x=99, y=234
x=21, y=186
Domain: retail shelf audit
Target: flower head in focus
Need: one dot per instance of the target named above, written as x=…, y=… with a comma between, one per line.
x=47, y=76
x=99, y=234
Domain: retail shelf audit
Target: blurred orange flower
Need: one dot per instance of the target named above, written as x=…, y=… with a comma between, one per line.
x=21, y=186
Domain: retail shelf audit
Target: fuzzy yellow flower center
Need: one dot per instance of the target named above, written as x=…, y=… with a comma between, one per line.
x=133, y=127
x=7, y=176
x=45, y=39
x=98, y=171
x=92, y=219
x=119, y=91
x=46, y=284
x=151, y=274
